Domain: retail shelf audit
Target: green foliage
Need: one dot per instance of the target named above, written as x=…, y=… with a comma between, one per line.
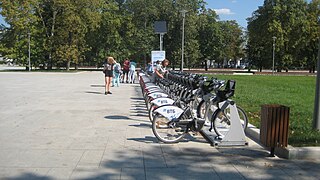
x=295, y=25
x=85, y=32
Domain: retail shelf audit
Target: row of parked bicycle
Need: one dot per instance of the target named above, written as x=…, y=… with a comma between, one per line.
x=183, y=102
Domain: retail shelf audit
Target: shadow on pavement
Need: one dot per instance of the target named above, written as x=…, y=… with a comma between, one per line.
x=94, y=92
x=142, y=125
x=117, y=117
x=32, y=176
x=97, y=85
x=146, y=139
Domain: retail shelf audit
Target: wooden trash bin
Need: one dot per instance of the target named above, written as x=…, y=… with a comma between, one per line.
x=274, y=126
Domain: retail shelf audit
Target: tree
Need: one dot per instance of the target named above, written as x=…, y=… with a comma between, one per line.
x=19, y=15
x=287, y=21
x=232, y=40
x=311, y=36
x=210, y=36
x=72, y=32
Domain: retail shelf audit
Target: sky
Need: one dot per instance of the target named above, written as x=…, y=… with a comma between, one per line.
x=238, y=10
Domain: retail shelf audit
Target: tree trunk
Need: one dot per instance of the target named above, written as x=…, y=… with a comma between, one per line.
x=68, y=65
x=205, y=65
x=313, y=69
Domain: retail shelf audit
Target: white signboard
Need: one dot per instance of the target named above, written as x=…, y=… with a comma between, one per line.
x=157, y=56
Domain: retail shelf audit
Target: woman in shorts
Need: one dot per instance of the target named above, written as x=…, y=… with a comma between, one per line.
x=108, y=72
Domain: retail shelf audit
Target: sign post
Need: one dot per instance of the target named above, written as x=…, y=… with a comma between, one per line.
x=160, y=27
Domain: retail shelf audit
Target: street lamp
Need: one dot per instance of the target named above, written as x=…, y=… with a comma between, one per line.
x=316, y=115
x=274, y=46
x=182, y=48
x=29, y=37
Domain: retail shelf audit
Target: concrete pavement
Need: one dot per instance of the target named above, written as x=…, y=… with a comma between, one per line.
x=62, y=126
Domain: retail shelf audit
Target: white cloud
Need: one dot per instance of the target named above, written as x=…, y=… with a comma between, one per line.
x=234, y=1
x=223, y=11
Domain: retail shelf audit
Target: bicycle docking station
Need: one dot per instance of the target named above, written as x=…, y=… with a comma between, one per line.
x=178, y=102
x=234, y=136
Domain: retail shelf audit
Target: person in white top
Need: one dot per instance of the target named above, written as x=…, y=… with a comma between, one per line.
x=161, y=69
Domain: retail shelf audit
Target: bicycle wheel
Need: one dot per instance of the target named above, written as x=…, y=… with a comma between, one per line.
x=165, y=131
x=195, y=103
x=151, y=112
x=243, y=118
x=210, y=109
x=222, y=123
x=201, y=109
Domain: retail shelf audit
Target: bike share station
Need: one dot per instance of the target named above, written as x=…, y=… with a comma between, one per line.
x=170, y=99
x=159, y=99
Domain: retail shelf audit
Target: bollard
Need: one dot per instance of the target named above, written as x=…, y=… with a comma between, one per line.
x=274, y=126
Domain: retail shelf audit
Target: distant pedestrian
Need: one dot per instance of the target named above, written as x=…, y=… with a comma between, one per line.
x=126, y=67
x=149, y=68
x=132, y=71
x=108, y=72
x=116, y=74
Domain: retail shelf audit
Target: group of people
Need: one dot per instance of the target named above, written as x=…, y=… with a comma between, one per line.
x=114, y=73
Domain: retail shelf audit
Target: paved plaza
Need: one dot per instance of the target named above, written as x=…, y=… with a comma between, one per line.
x=62, y=126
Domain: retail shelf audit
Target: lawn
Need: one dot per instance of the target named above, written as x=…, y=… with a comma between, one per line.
x=296, y=92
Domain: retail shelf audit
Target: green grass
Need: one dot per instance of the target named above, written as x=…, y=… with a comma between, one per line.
x=296, y=92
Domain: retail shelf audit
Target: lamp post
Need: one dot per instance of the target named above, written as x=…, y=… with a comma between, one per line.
x=182, y=48
x=316, y=114
x=274, y=46
x=29, y=63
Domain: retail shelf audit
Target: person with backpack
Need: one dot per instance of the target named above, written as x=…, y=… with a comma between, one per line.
x=132, y=71
x=108, y=73
x=116, y=74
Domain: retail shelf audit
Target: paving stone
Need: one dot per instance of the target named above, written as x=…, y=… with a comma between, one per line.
x=63, y=127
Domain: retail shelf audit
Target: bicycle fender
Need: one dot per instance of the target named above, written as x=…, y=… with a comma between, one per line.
x=170, y=112
x=162, y=101
x=157, y=95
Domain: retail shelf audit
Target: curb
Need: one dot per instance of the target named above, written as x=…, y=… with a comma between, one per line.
x=289, y=152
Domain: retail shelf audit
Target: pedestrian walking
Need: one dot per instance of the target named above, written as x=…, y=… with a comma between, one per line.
x=116, y=74
x=126, y=68
x=108, y=72
x=132, y=71
x=149, y=68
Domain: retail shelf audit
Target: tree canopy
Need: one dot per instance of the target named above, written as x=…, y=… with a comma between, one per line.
x=76, y=33
x=294, y=26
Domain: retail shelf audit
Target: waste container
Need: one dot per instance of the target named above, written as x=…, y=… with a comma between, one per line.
x=274, y=126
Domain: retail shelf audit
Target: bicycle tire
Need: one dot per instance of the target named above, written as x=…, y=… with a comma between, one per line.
x=201, y=109
x=164, y=132
x=221, y=121
x=151, y=112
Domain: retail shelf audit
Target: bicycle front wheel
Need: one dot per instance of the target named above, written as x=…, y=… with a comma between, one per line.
x=222, y=122
x=165, y=131
x=151, y=112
